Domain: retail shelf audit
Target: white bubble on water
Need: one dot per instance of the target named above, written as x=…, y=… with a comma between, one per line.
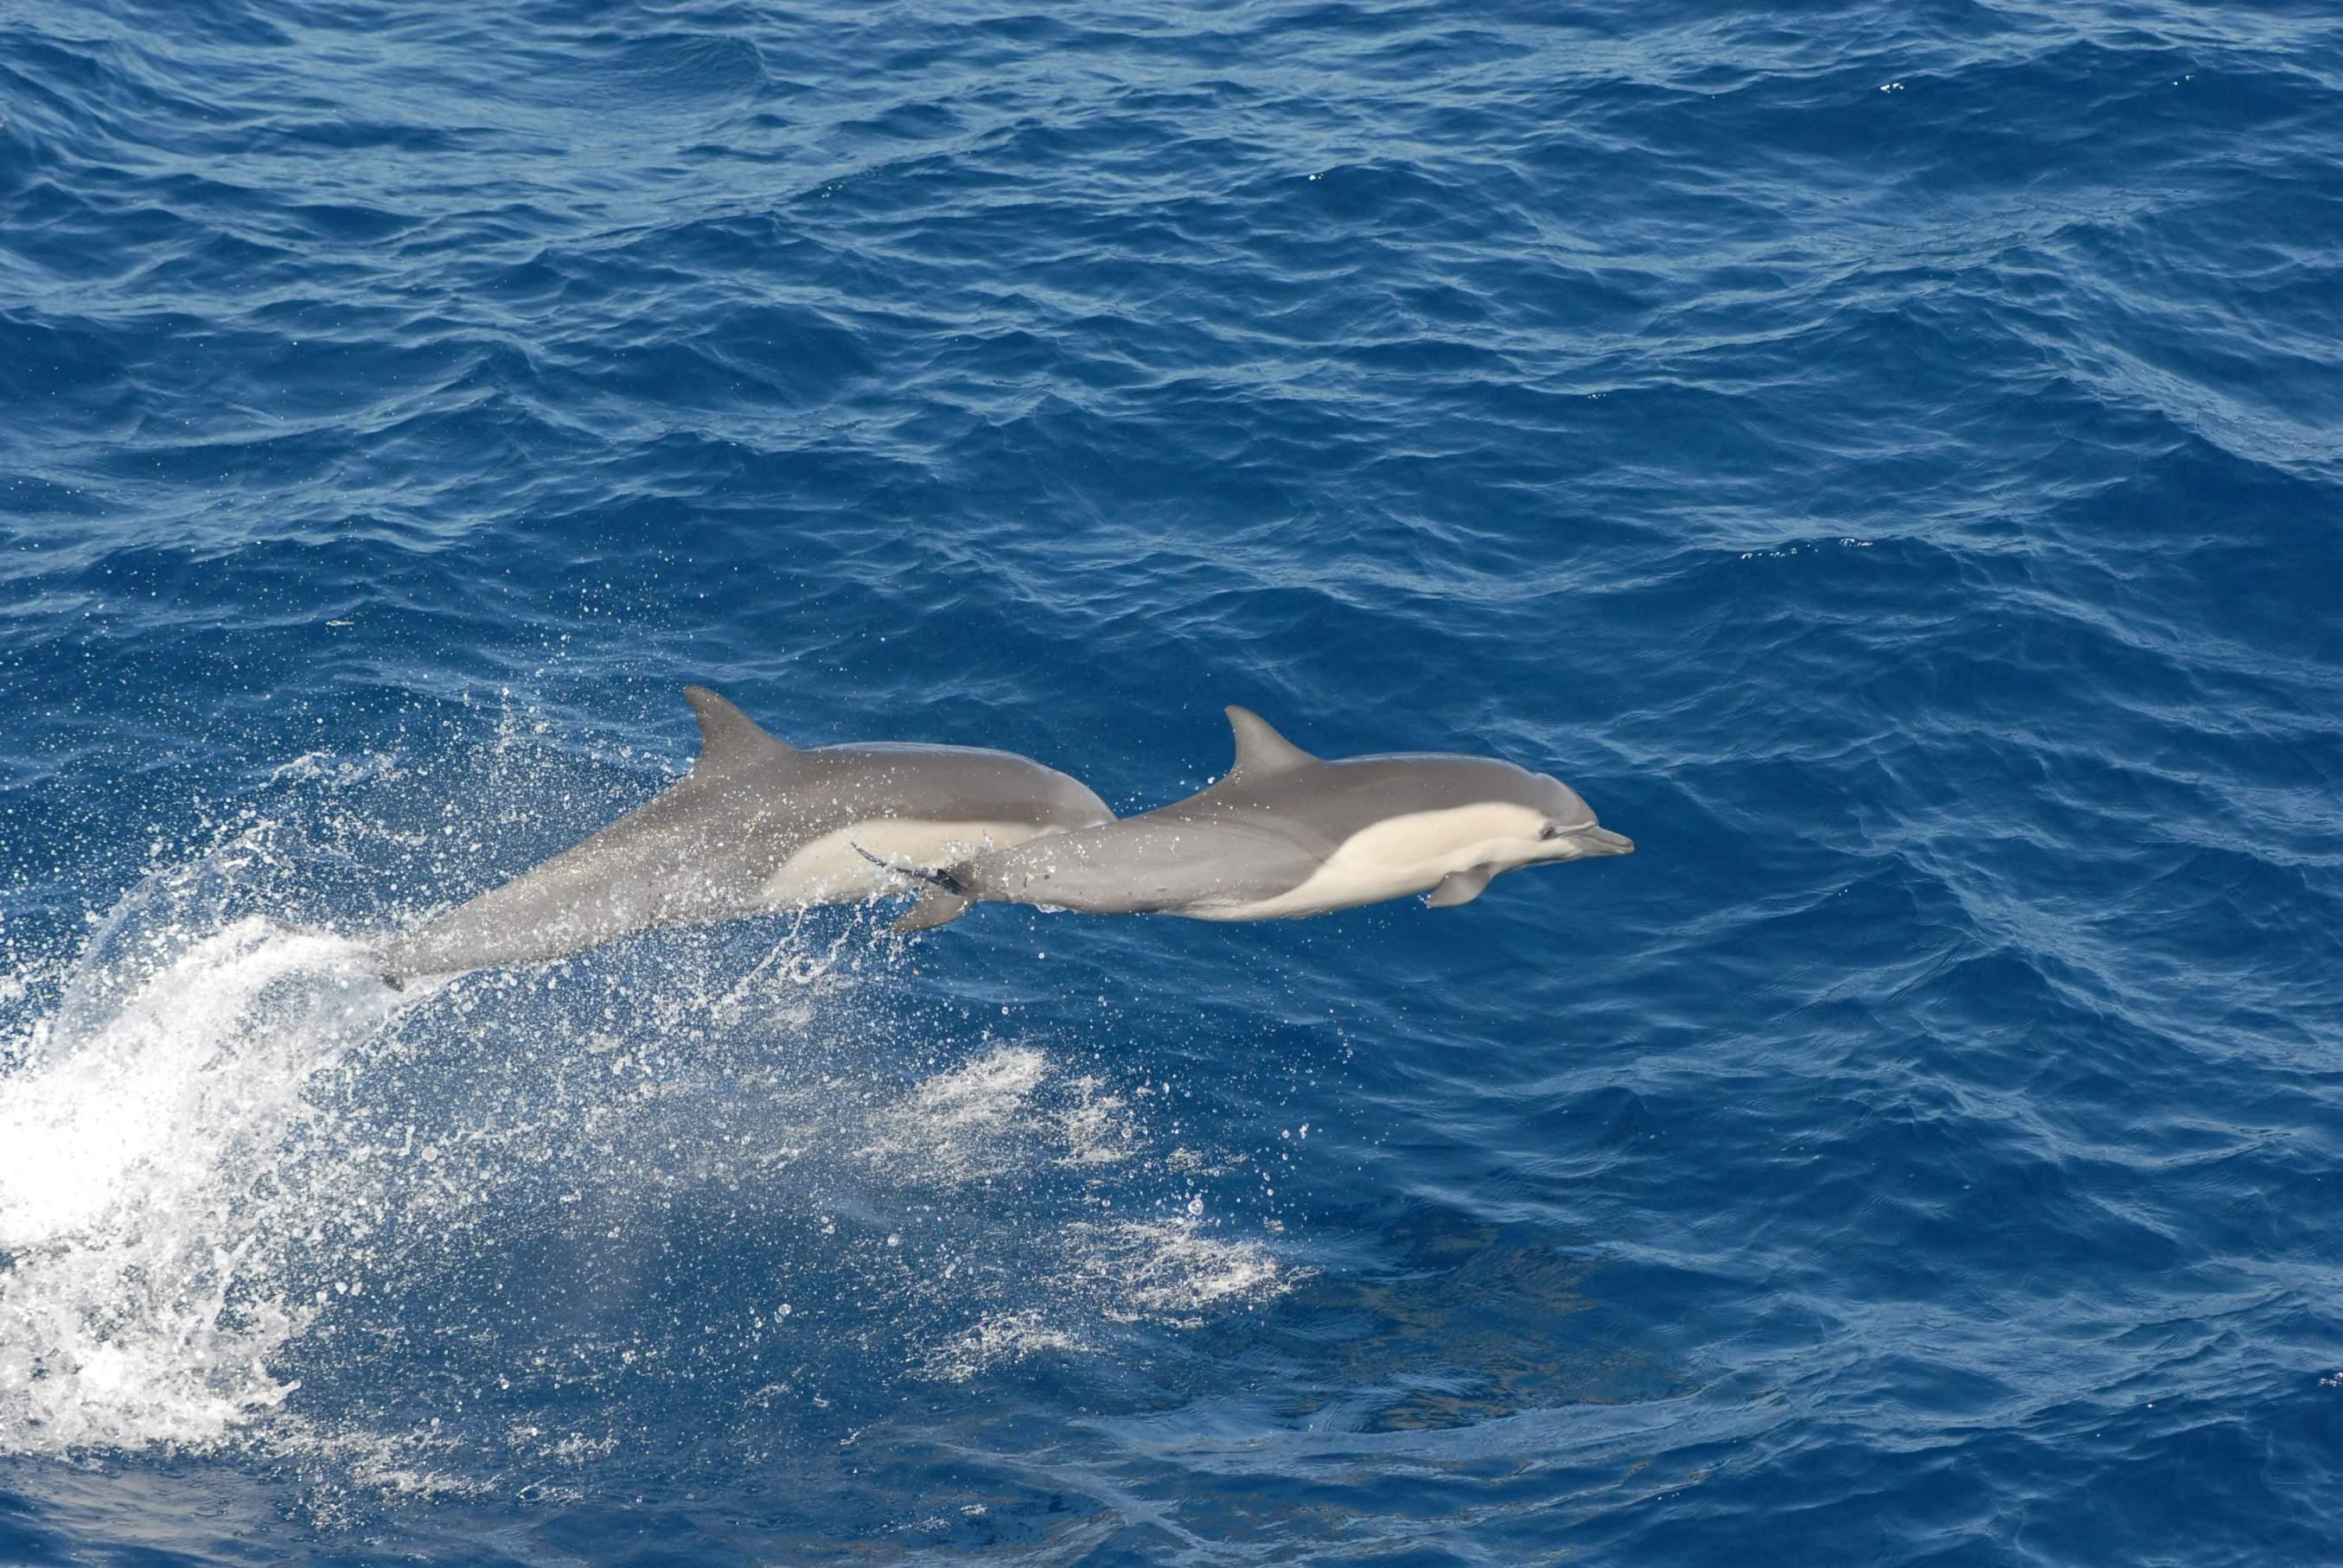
x=995, y=1340
x=231, y=1159
x=139, y=1301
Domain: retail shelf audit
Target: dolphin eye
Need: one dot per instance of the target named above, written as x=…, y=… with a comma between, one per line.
x=1553, y=830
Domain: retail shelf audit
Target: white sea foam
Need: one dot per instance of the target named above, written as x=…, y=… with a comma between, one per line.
x=1168, y=1272
x=985, y=1093
x=1011, y=1111
x=996, y=1340
x=136, y=1214
x=1171, y=1270
x=962, y=1125
x=230, y=1157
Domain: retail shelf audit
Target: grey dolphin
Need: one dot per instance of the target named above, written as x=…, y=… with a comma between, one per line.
x=756, y=825
x=1286, y=834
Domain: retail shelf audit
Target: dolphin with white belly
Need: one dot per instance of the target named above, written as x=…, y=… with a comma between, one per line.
x=756, y=825
x=1286, y=834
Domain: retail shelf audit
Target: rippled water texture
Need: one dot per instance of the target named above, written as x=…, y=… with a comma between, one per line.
x=1886, y=458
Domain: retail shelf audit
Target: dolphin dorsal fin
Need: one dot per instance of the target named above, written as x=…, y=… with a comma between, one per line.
x=1262, y=751
x=726, y=735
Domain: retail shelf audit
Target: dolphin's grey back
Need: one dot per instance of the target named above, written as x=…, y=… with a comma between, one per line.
x=1338, y=798
x=710, y=847
x=917, y=780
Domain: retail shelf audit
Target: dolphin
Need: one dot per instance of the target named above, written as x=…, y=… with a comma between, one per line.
x=1284, y=834
x=756, y=825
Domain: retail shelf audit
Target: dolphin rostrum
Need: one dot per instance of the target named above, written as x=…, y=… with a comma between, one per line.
x=756, y=825
x=1286, y=834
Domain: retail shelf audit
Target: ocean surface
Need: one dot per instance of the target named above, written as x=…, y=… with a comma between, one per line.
x=1888, y=458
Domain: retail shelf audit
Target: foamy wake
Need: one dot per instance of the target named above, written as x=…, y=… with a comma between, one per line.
x=978, y=1120
x=202, y=1145
x=138, y=1144
x=1168, y=1272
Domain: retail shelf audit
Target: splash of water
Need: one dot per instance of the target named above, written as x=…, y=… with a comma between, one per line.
x=140, y=1301
x=231, y=1160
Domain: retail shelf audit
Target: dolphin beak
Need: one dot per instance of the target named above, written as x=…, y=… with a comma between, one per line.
x=1604, y=841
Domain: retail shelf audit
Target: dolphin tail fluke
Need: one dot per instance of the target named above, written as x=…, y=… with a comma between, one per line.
x=935, y=907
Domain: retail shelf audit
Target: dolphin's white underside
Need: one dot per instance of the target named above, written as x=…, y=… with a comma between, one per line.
x=1403, y=855
x=831, y=870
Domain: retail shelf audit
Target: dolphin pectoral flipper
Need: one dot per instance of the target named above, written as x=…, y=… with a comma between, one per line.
x=1460, y=887
x=935, y=907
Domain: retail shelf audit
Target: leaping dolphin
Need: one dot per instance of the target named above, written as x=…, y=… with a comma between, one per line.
x=1286, y=834
x=756, y=825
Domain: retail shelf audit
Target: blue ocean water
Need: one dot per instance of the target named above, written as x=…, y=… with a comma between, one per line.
x=1888, y=458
